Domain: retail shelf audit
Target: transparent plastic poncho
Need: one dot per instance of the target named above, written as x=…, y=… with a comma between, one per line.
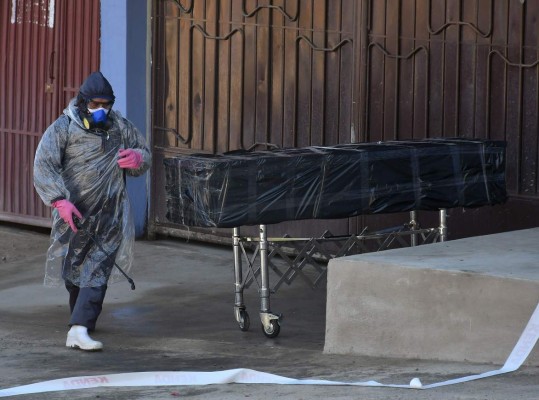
x=80, y=165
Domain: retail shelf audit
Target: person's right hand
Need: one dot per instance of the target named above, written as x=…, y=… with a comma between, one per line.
x=66, y=209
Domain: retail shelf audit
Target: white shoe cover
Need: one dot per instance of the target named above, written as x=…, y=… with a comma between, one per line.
x=77, y=337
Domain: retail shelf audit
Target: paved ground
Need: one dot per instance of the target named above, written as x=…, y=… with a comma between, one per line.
x=180, y=318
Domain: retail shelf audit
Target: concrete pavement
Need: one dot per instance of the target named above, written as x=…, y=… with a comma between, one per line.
x=180, y=318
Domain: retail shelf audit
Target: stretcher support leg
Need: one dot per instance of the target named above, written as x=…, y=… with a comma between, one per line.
x=242, y=317
x=413, y=226
x=443, y=225
x=270, y=322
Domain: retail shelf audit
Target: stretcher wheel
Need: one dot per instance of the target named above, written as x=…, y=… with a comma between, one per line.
x=273, y=330
x=244, y=321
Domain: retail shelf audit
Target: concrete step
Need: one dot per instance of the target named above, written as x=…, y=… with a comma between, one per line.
x=461, y=300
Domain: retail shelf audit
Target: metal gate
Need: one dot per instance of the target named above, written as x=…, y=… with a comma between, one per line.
x=48, y=48
x=229, y=74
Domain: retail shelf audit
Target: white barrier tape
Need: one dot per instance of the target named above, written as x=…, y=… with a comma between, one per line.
x=521, y=351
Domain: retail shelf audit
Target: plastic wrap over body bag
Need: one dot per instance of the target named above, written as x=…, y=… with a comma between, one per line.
x=266, y=187
x=81, y=166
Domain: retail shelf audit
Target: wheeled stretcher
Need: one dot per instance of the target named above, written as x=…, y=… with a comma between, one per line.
x=265, y=187
x=308, y=252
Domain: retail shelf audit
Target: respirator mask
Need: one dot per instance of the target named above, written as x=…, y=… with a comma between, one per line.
x=97, y=118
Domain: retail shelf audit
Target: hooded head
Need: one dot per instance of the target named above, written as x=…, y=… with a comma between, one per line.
x=96, y=86
x=93, y=114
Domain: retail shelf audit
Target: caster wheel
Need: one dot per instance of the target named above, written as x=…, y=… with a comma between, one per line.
x=244, y=321
x=273, y=330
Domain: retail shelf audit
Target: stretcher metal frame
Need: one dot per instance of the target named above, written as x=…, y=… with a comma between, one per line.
x=297, y=253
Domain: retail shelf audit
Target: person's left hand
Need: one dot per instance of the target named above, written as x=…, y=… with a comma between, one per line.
x=129, y=158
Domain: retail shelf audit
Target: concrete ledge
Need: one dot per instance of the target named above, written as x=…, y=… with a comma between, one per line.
x=462, y=300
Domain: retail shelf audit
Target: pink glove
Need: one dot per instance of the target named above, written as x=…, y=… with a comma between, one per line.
x=66, y=209
x=129, y=158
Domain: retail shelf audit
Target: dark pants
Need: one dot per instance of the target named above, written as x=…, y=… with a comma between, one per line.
x=86, y=304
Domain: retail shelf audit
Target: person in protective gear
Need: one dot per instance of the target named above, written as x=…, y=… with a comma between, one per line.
x=79, y=170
